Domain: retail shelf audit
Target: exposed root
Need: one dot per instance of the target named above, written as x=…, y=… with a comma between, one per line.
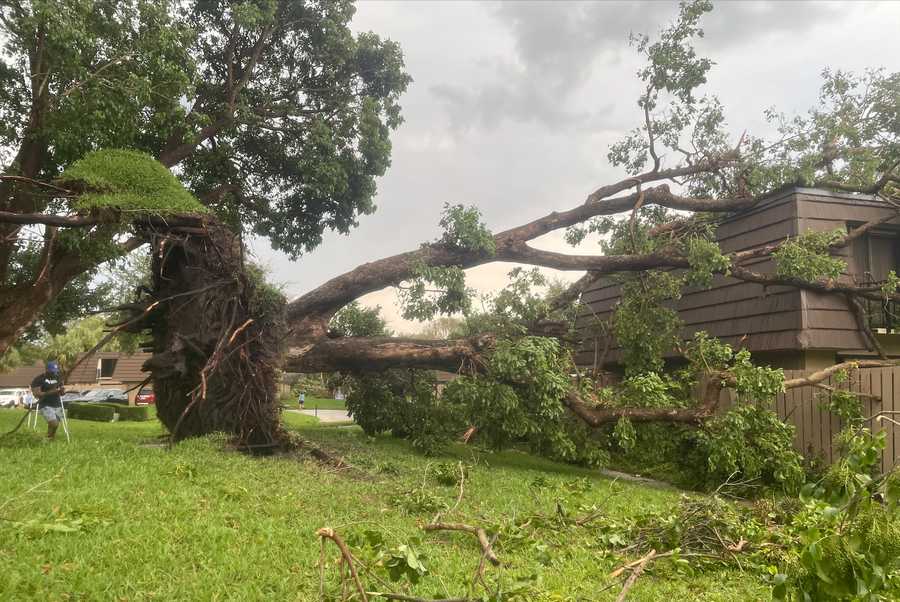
x=215, y=337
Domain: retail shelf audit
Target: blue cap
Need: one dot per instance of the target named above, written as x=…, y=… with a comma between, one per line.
x=52, y=367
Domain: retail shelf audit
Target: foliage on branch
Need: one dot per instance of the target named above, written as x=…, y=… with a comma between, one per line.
x=807, y=257
x=463, y=229
x=644, y=324
x=706, y=260
x=404, y=403
x=518, y=399
x=354, y=320
x=433, y=291
x=751, y=443
x=845, y=543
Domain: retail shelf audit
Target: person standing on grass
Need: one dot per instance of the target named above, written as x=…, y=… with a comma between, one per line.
x=302, y=399
x=47, y=389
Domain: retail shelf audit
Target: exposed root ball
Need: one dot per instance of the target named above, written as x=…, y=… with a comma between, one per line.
x=215, y=337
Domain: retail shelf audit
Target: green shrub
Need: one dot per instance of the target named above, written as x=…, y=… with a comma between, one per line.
x=405, y=403
x=134, y=413
x=750, y=443
x=91, y=411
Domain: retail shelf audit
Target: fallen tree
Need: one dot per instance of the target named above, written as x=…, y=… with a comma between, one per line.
x=654, y=240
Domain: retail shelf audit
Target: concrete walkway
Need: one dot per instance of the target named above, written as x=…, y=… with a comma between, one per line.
x=326, y=415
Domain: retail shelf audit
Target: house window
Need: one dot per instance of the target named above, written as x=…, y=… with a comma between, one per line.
x=875, y=255
x=106, y=366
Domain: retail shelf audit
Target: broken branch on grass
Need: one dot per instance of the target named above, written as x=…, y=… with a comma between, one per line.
x=329, y=533
x=478, y=532
x=405, y=598
x=632, y=579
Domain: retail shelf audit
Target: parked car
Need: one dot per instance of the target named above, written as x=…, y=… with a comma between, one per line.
x=9, y=397
x=104, y=396
x=145, y=397
x=73, y=396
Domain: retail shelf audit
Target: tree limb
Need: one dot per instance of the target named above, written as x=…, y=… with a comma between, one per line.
x=817, y=377
x=476, y=531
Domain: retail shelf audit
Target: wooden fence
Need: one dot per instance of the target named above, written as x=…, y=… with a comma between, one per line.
x=815, y=428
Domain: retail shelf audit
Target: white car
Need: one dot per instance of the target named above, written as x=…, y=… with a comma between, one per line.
x=10, y=397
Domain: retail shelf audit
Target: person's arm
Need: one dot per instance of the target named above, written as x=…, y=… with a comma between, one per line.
x=36, y=391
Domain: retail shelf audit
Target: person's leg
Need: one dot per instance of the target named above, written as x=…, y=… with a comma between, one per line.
x=52, y=419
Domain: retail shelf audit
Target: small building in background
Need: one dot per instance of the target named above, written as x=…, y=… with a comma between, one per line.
x=21, y=377
x=110, y=370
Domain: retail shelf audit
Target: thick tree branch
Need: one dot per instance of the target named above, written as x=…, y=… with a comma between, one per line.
x=310, y=313
x=364, y=354
x=817, y=377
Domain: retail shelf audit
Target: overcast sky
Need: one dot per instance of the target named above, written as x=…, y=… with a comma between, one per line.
x=515, y=103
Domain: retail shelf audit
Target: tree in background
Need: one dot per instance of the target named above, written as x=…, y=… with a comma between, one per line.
x=271, y=112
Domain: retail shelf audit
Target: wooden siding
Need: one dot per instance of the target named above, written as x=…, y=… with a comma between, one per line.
x=758, y=318
x=127, y=370
x=772, y=319
x=21, y=377
x=829, y=322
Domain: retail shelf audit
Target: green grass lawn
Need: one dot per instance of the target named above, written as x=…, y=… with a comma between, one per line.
x=124, y=518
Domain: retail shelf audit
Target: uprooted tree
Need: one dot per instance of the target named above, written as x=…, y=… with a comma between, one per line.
x=214, y=350
x=274, y=114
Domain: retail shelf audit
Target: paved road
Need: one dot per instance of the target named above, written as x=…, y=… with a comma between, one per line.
x=326, y=415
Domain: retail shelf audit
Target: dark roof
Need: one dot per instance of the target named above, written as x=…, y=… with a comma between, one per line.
x=22, y=376
x=127, y=370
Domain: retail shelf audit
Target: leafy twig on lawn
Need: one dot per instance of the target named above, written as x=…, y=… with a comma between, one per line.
x=462, y=482
x=405, y=598
x=639, y=568
x=329, y=533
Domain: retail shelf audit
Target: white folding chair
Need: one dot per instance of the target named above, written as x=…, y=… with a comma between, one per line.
x=65, y=421
x=33, y=415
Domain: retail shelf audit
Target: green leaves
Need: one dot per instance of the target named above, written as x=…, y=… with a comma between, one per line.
x=706, y=260
x=354, y=320
x=807, y=257
x=463, y=229
x=435, y=290
x=441, y=290
x=644, y=324
x=404, y=562
x=750, y=442
x=624, y=434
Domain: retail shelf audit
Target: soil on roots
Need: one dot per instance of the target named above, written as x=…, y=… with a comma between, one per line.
x=215, y=338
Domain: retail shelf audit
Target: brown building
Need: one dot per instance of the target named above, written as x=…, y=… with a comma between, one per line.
x=21, y=377
x=784, y=326
x=110, y=370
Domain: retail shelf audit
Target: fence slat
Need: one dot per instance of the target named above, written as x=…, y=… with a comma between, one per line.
x=887, y=399
x=834, y=424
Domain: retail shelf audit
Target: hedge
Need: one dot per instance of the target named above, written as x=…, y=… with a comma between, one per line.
x=90, y=411
x=103, y=412
x=134, y=413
